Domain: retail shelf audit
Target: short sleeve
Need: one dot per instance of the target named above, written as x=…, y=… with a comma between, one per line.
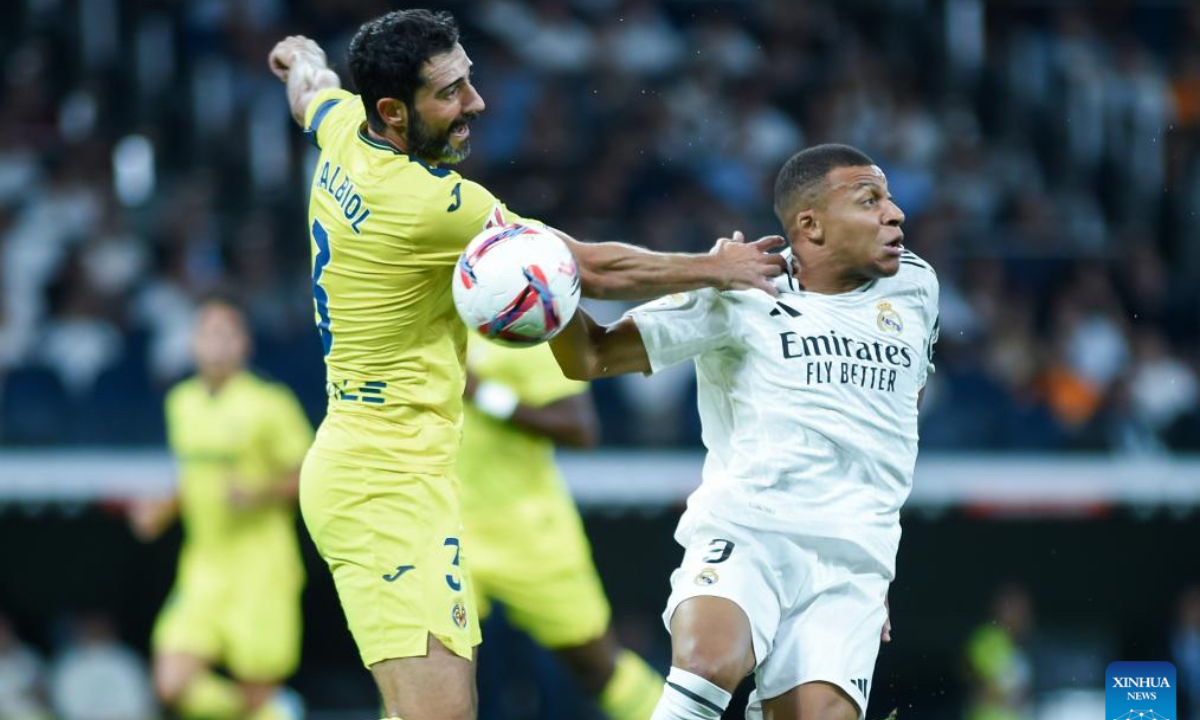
x=325, y=109
x=288, y=432
x=933, y=322
x=682, y=326
x=465, y=209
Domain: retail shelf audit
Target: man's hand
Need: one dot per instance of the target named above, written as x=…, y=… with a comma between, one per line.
x=288, y=50
x=301, y=64
x=746, y=265
x=241, y=498
x=149, y=517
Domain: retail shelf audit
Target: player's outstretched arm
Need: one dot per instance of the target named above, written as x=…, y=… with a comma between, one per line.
x=300, y=62
x=569, y=422
x=284, y=491
x=586, y=350
x=616, y=271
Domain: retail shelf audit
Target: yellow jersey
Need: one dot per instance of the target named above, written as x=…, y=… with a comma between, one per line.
x=247, y=435
x=503, y=467
x=386, y=231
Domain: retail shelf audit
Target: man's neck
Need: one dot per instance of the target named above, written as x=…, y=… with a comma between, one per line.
x=389, y=137
x=820, y=275
x=215, y=380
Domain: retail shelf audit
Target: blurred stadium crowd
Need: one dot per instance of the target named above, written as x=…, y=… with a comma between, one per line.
x=1048, y=159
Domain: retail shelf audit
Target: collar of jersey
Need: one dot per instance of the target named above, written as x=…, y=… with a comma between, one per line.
x=785, y=283
x=433, y=169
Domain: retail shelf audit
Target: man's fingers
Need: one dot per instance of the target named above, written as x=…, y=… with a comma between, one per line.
x=767, y=286
x=285, y=52
x=770, y=242
x=738, y=236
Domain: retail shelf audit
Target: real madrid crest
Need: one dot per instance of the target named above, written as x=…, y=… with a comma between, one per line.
x=707, y=576
x=888, y=319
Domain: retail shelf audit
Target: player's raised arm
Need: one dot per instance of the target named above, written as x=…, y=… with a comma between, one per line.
x=300, y=62
x=616, y=271
x=586, y=350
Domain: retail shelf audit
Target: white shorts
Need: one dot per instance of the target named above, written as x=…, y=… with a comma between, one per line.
x=816, y=605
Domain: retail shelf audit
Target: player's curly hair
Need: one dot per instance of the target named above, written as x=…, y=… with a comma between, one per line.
x=801, y=178
x=387, y=53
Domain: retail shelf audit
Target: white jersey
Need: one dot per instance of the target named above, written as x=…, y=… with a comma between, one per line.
x=808, y=402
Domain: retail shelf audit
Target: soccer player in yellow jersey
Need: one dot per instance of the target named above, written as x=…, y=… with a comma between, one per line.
x=238, y=442
x=528, y=547
x=388, y=220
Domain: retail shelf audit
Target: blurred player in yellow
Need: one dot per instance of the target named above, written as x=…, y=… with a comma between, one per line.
x=238, y=442
x=528, y=547
x=388, y=220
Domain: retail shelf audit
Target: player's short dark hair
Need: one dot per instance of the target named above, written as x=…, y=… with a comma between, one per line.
x=387, y=54
x=802, y=176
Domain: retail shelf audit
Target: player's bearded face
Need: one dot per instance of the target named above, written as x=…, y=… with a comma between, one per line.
x=440, y=115
x=436, y=144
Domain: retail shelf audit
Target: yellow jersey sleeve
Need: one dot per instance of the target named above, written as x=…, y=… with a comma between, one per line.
x=288, y=432
x=328, y=110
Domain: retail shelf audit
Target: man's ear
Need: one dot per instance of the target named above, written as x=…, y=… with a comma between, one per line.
x=393, y=112
x=808, y=226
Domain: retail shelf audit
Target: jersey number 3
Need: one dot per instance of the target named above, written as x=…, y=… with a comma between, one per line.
x=719, y=551
x=321, y=238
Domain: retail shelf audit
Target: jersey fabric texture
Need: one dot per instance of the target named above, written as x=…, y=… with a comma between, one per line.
x=378, y=490
x=236, y=598
x=387, y=230
x=529, y=549
x=808, y=402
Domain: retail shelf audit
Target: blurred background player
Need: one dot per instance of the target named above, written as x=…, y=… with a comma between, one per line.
x=22, y=677
x=239, y=441
x=999, y=662
x=98, y=677
x=1184, y=647
x=388, y=222
x=529, y=550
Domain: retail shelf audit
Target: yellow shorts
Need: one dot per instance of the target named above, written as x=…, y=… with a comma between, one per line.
x=393, y=542
x=250, y=624
x=539, y=564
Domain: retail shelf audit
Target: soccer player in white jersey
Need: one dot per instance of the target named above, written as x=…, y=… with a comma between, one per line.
x=808, y=403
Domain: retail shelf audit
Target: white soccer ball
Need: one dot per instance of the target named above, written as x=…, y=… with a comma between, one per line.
x=516, y=284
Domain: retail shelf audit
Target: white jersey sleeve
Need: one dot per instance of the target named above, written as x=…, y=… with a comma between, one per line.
x=682, y=326
x=928, y=284
x=934, y=320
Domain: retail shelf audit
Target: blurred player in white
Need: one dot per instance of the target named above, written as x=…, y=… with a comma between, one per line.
x=808, y=403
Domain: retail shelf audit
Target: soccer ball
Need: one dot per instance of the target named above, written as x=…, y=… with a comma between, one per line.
x=516, y=284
